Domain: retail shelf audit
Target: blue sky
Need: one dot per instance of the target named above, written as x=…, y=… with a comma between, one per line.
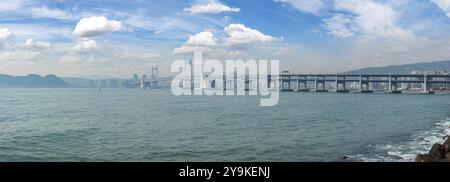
x=113, y=38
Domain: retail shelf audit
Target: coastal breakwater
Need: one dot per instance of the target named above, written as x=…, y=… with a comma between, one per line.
x=437, y=153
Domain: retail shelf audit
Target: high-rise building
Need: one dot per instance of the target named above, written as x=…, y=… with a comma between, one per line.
x=155, y=73
x=143, y=80
x=135, y=79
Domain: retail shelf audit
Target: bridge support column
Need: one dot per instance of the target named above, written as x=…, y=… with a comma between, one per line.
x=289, y=82
x=425, y=84
x=280, y=79
x=390, y=83
x=360, y=83
x=336, y=84
x=316, y=84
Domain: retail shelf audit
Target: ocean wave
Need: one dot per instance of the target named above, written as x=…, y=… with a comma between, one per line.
x=421, y=142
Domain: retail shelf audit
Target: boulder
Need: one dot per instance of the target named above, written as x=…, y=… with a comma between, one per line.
x=436, y=152
x=424, y=158
x=446, y=145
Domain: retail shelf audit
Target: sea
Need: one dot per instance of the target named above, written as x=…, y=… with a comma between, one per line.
x=83, y=124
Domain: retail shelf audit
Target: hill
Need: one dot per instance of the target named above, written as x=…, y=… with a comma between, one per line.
x=405, y=69
x=31, y=81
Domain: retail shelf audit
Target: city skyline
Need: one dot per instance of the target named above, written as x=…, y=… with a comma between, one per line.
x=117, y=39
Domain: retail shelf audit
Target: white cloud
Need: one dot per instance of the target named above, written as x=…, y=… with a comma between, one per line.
x=239, y=34
x=307, y=6
x=206, y=39
x=374, y=18
x=339, y=26
x=33, y=9
x=75, y=61
x=444, y=5
x=13, y=5
x=131, y=56
x=202, y=41
x=17, y=55
x=36, y=45
x=45, y=12
x=379, y=37
x=84, y=46
x=238, y=37
x=97, y=25
x=213, y=7
x=4, y=33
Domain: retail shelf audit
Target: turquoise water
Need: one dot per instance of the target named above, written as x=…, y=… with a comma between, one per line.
x=154, y=125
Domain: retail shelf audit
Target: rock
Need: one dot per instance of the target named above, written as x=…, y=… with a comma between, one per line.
x=447, y=156
x=424, y=158
x=436, y=152
x=345, y=157
x=446, y=145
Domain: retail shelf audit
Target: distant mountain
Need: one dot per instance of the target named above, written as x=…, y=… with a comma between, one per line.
x=32, y=81
x=405, y=69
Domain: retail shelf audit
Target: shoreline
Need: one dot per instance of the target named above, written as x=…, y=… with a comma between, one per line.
x=406, y=151
x=439, y=152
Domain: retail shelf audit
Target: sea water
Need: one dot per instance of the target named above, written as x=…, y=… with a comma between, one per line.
x=153, y=125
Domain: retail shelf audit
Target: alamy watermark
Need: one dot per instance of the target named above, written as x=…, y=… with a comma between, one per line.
x=237, y=77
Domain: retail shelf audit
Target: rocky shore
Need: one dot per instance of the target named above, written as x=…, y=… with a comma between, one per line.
x=438, y=153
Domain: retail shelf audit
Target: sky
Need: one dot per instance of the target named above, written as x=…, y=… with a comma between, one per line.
x=115, y=39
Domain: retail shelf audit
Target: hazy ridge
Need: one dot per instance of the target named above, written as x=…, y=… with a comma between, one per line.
x=405, y=68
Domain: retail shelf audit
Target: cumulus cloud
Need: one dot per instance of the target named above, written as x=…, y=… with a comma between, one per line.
x=32, y=45
x=214, y=7
x=339, y=26
x=202, y=41
x=131, y=56
x=25, y=54
x=444, y=5
x=307, y=6
x=239, y=34
x=95, y=26
x=5, y=34
x=375, y=18
x=237, y=38
x=84, y=46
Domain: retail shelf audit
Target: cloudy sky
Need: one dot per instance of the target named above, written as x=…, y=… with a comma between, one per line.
x=113, y=38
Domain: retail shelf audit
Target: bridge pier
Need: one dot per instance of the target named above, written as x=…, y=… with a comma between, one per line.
x=336, y=84
x=286, y=81
x=318, y=82
x=426, y=88
x=360, y=84
x=390, y=84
